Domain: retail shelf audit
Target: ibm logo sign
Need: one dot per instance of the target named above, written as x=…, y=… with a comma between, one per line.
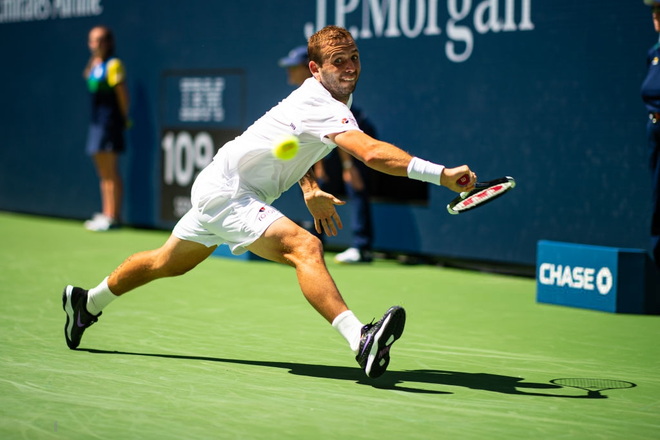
x=201, y=99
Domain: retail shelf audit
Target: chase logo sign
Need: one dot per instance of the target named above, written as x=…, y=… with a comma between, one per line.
x=578, y=278
x=577, y=275
x=596, y=277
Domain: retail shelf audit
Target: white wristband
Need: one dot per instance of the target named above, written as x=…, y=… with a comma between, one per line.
x=425, y=171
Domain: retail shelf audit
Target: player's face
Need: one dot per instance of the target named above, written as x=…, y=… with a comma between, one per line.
x=97, y=42
x=340, y=71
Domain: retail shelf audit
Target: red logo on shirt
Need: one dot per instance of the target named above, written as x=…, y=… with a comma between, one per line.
x=265, y=211
x=344, y=121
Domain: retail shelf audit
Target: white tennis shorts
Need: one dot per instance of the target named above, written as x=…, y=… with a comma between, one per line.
x=216, y=217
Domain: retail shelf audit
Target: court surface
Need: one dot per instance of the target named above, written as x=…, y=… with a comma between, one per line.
x=233, y=350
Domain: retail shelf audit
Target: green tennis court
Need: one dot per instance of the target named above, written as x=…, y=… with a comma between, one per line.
x=232, y=350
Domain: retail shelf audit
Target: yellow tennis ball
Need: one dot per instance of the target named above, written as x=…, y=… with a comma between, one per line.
x=286, y=147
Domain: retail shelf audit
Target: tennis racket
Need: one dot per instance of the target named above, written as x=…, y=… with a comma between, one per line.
x=482, y=193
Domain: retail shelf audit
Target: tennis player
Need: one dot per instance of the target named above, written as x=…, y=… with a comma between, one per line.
x=231, y=203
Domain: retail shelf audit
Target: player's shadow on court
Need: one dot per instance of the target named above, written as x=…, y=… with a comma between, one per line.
x=392, y=380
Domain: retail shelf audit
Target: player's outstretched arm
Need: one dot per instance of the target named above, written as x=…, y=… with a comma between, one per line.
x=389, y=159
x=379, y=155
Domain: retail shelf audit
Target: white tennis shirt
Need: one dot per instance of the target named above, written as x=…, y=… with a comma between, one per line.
x=247, y=162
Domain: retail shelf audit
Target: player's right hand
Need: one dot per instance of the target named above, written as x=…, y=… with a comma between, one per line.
x=454, y=178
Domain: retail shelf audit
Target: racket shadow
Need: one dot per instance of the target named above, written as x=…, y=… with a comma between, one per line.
x=391, y=380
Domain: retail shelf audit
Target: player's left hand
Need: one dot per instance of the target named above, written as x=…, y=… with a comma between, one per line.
x=322, y=207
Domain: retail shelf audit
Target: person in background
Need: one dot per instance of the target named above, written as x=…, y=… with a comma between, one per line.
x=651, y=97
x=354, y=174
x=106, y=81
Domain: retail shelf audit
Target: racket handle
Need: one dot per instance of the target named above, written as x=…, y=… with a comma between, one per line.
x=463, y=180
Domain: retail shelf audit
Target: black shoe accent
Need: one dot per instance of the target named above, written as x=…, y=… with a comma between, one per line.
x=377, y=339
x=74, y=303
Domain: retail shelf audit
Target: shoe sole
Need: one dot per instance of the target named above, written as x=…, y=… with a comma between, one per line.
x=68, y=309
x=390, y=332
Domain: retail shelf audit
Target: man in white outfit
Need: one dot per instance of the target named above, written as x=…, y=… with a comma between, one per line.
x=231, y=203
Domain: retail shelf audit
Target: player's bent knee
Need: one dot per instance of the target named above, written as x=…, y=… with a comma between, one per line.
x=309, y=248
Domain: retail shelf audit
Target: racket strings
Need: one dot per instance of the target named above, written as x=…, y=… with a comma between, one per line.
x=482, y=196
x=593, y=384
x=483, y=192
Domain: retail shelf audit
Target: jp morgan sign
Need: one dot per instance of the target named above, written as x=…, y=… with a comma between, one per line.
x=456, y=22
x=596, y=277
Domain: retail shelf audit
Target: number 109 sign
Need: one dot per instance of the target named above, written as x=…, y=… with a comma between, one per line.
x=184, y=154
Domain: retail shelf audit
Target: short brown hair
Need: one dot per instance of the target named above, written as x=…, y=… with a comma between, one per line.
x=325, y=36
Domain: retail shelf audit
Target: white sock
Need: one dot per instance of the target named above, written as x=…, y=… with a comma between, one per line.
x=350, y=328
x=99, y=297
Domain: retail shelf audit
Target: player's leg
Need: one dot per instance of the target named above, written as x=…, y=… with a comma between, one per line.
x=83, y=307
x=174, y=258
x=287, y=243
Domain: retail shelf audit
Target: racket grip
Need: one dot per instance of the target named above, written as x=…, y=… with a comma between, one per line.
x=463, y=180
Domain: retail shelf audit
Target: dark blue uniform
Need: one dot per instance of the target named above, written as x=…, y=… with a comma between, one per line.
x=362, y=226
x=651, y=96
x=362, y=229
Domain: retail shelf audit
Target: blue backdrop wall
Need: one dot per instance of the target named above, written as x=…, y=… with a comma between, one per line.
x=548, y=92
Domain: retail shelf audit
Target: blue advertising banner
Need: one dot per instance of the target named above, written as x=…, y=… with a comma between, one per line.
x=595, y=277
